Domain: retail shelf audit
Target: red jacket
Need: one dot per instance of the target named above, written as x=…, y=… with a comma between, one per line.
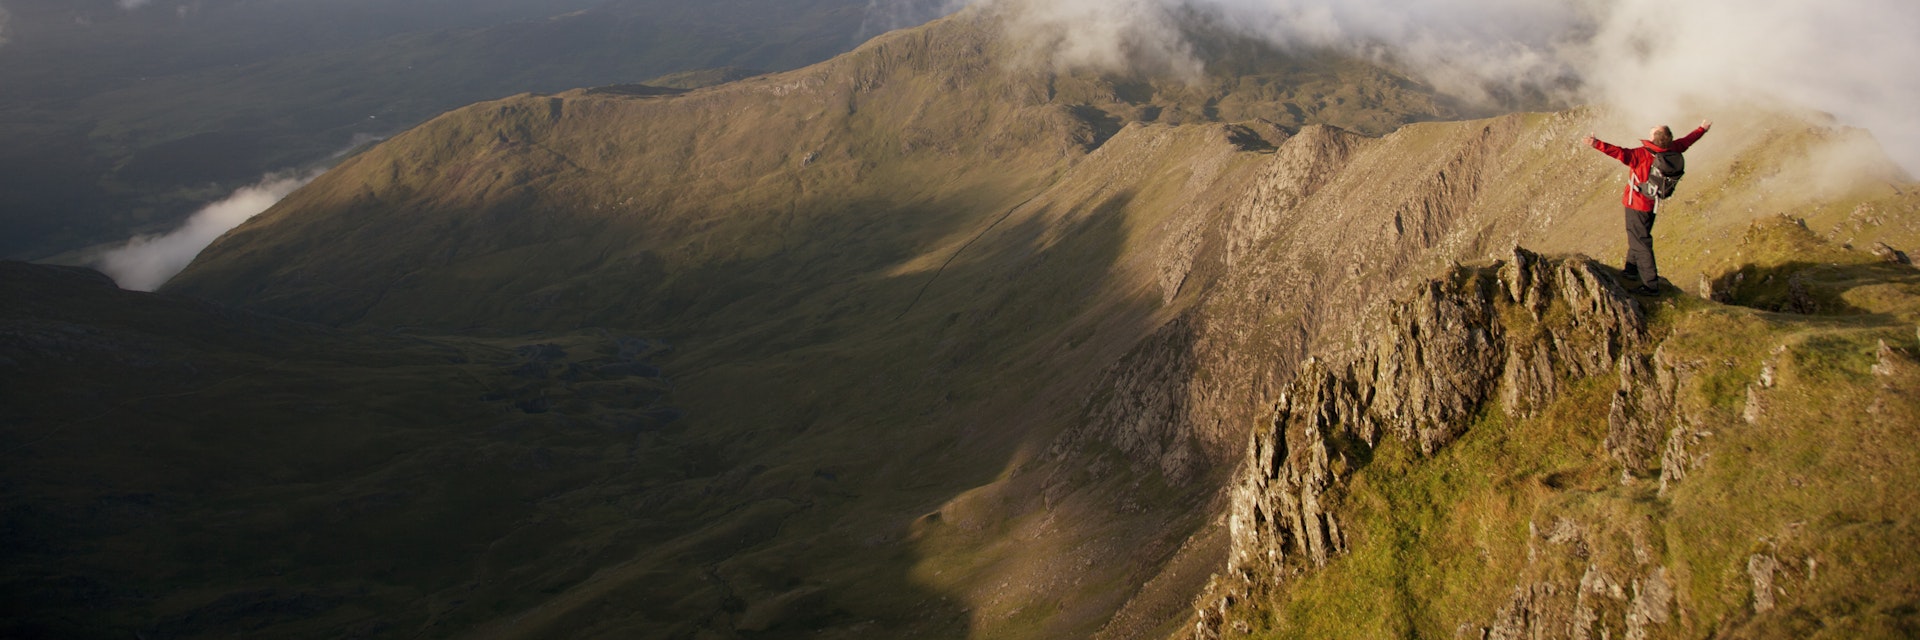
x=1639, y=161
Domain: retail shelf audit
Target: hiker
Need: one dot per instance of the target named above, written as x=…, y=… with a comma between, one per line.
x=1642, y=197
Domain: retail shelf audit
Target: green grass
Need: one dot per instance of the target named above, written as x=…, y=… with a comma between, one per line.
x=1830, y=455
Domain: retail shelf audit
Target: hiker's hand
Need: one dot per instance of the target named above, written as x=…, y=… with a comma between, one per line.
x=1706, y=124
x=1589, y=140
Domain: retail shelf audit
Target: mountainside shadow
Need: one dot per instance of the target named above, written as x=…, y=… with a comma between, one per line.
x=177, y=469
x=1811, y=288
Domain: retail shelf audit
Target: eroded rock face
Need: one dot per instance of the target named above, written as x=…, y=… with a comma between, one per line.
x=1420, y=373
x=1583, y=611
x=1648, y=431
x=1136, y=413
x=1760, y=568
x=1642, y=405
x=1304, y=165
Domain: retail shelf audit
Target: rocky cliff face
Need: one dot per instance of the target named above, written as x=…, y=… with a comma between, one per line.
x=1630, y=551
x=1421, y=374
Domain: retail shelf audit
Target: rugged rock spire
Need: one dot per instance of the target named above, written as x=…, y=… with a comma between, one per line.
x=1422, y=373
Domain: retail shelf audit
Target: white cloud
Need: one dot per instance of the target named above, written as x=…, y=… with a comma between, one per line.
x=146, y=262
x=1646, y=57
x=6, y=32
x=1104, y=34
x=1460, y=47
x=1853, y=60
x=886, y=15
x=132, y=4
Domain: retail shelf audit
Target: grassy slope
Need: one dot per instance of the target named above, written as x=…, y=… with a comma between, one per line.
x=790, y=281
x=905, y=143
x=798, y=502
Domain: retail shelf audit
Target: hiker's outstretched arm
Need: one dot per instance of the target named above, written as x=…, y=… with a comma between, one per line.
x=1689, y=139
x=1617, y=152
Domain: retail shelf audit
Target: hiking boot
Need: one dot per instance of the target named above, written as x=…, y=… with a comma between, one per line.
x=1643, y=290
x=1630, y=271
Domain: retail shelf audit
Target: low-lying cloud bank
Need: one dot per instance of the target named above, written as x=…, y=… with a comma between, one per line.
x=1652, y=59
x=1854, y=60
x=146, y=262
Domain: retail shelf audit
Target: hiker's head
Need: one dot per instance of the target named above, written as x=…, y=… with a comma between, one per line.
x=1661, y=136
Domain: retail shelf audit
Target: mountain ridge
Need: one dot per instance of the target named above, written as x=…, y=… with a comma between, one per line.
x=907, y=128
x=127, y=119
x=960, y=351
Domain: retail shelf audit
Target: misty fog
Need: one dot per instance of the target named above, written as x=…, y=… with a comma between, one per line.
x=144, y=263
x=1653, y=61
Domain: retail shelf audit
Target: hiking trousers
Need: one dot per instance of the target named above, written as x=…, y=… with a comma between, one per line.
x=1640, y=245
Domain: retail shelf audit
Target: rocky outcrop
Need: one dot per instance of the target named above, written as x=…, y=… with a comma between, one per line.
x=1642, y=404
x=1137, y=410
x=1603, y=324
x=1302, y=166
x=1586, y=610
x=1510, y=333
x=1649, y=431
x=1890, y=255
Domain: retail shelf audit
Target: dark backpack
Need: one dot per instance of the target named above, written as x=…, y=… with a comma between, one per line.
x=1668, y=167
